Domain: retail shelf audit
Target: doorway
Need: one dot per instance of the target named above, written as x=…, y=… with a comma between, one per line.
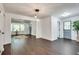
x=19, y=27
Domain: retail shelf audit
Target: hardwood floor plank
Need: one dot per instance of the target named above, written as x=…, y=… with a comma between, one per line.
x=33, y=46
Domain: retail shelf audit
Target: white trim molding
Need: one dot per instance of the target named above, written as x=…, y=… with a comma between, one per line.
x=1, y=49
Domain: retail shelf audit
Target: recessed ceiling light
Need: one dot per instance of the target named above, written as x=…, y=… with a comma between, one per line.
x=65, y=14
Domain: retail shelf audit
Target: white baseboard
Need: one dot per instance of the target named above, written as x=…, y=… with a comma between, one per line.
x=7, y=43
x=47, y=39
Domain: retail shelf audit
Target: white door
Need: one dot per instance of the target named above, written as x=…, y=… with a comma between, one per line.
x=67, y=29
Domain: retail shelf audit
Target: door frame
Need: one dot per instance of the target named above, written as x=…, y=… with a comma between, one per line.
x=58, y=23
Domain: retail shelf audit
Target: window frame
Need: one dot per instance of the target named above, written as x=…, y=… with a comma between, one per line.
x=20, y=27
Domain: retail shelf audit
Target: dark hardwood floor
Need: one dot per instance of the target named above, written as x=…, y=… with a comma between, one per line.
x=24, y=45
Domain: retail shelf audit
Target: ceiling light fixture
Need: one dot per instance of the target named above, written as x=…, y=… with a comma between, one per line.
x=65, y=14
x=36, y=13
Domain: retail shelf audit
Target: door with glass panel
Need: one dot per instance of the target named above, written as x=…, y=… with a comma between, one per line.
x=67, y=29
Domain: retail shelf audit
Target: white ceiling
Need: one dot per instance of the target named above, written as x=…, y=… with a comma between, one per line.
x=46, y=9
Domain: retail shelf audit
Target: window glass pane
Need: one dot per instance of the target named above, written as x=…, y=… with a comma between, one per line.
x=22, y=27
x=67, y=25
x=17, y=27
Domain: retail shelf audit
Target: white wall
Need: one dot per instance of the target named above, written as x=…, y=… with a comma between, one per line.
x=61, y=29
x=26, y=29
x=33, y=24
x=49, y=28
x=73, y=32
x=38, y=29
x=54, y=28
x=1, y=27
x=7, y=29
x=46, y=28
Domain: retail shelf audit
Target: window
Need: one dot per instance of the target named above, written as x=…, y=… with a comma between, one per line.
x=17, y=27
x=67, y=25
